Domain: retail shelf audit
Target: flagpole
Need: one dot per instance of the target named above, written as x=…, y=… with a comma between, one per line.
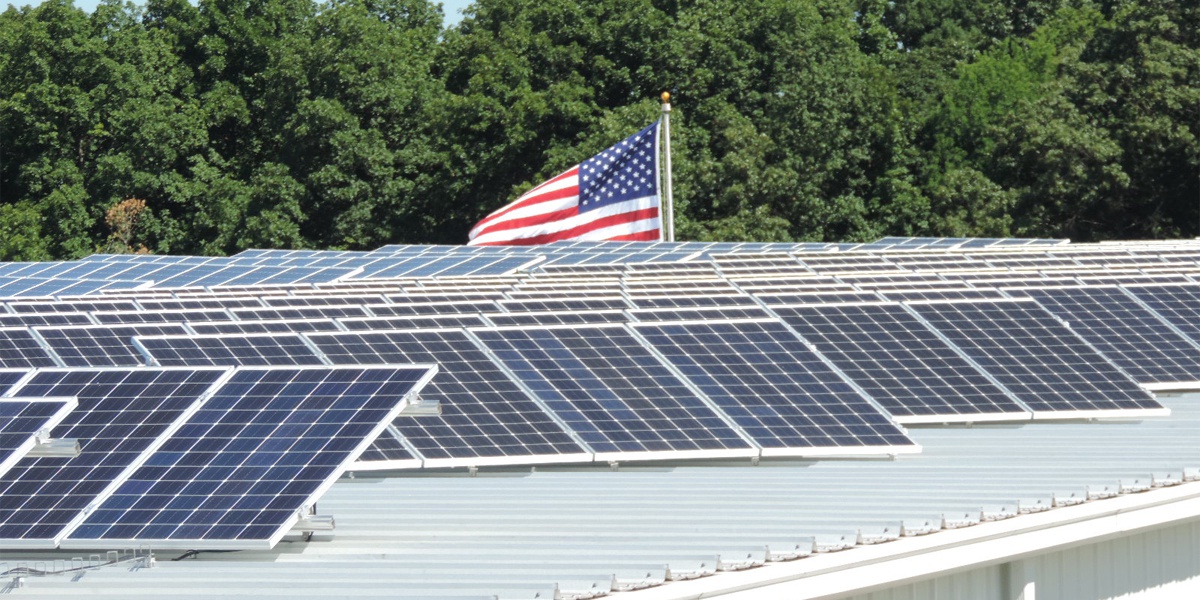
x=668, y=228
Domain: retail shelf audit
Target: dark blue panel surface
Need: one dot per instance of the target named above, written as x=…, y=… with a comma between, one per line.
x=898, y=361
x=228, y=350
x=1046, y=365
x=102, y=346
x=611, y=390
x=780, y=392
x=120, y=413
x=1126, y=332
x=484, y=414
x=18, y=348
x=254, y=454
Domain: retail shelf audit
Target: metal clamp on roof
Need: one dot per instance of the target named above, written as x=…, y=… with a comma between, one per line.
x=879, y=535
x=834, y=543
x=1100, y=492
x=421, y=407
x=957, y=521
x=754, y=558
x=1070, y=499
x=309, y=523
x=1134, y=487
x=1025, y=507
x=1166, y=479
x=919, y=527
x=998, y=513
x=47, y=447
x=799, y=550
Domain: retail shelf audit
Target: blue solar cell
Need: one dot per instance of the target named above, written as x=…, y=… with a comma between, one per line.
x=1045, y=364
x=780, y=392
x=31, y=319
x=103, y=345
x=899, y=361
x=228, y=350
x=19, y=348
x=1125, y=332
x=1178, y=304
x=264, y=446
x=434, y=322
x=283, y=326
x=120, y=413
x=484, y=413
x=611, y=390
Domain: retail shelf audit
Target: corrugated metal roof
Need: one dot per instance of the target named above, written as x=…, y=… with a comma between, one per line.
x=516, y=534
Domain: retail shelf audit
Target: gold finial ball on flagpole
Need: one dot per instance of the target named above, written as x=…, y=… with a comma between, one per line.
x=666, y=97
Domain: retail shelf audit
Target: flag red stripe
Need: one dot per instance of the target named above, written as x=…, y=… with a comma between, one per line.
x=566, y=234
x=529, y=221
x=534, y=197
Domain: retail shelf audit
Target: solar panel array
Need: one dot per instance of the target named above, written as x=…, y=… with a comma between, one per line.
x=567, y=353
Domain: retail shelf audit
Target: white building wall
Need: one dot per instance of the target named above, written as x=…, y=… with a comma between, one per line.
x=1160, y=564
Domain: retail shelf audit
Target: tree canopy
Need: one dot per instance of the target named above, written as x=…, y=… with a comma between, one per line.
x=349, y=124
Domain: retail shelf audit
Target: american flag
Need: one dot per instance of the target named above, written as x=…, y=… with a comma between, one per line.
x=610, y=196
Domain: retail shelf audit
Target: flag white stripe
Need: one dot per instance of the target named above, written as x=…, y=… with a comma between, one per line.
x=568, y=223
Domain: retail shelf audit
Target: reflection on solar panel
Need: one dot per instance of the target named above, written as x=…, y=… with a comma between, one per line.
x=780, y=392
x=159, y=316
x=199, y=304
x=576, y=305
x=282, y=326
x=240, y=471
x=121, y=412
x=321, y=300
x=611, y=390
x=21, y=419
x=30, y=320
x=945, y=294
x=1048, y=367
x=818, y=298
x=19, y=348
x=51, y=307
x=101, y=345
x=434, y=322
x=486, y=418
x=693, y=314
x=309, y=312
x=558, y=318
x=440, y=308
x=684, y=301
x=227, y=350
x=1125, y=332
x=901, y=363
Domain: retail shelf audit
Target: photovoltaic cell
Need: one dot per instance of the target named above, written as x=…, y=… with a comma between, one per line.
x=1046, y=365
x=559, y=318
x=899, y=361
x=605, y=385
x=240, y=470
x=34, y=319
x=284, y=326
x=19, y=348
x=1125, y=332
x=298, y=312
x=1178, y=304
x=484, y=413
x=102, y=345
x=120, y=413
x=229, y=350
x=432, y=322
x=780, y=392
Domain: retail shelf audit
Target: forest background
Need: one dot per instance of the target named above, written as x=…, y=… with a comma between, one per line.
x=210, y=128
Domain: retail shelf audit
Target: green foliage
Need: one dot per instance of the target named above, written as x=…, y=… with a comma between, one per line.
x=355, y=123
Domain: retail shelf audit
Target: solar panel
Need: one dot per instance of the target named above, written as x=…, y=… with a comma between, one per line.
x=73, y=307
x=322, y=300
x=1047, y=366
x=1179, y=305
x=283, y=326
x=22, y=419
x=557, y=318
x=20, y=348
x=775, y=388
x=817, y=298
x=438, y=308
x=31, y=319
x=687, y=301
x=309, y=312
x=486, y=417
x=121, y=413
x=694, y=314
x=159, y=316
x=573, y=305
x=199, y=304
x=431, y=322
x=1126, y=332
x=607, y=387
x=261, y=450
x=943, y=294
x=228, y=350
x=901, y=363
x=101, y=345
